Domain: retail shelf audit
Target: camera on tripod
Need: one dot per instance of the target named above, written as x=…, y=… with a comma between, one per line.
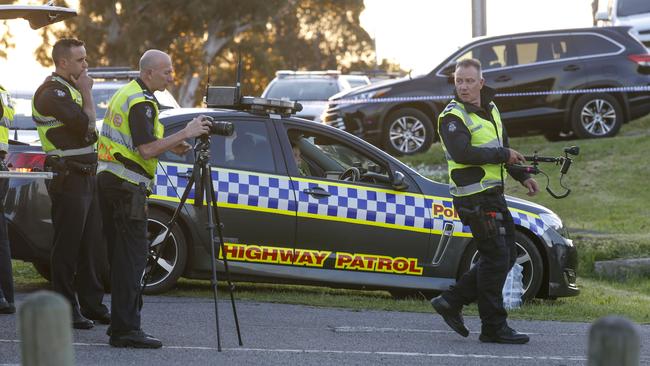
x=222, y=128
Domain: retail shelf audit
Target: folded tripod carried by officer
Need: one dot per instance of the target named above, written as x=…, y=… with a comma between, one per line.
x=477, y=152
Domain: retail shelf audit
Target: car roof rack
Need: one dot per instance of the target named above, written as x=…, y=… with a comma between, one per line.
x=290, y=73
x=113, y=72
x=227, y=97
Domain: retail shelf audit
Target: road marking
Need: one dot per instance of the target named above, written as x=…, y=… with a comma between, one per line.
x=363, y=329
x=349, y=352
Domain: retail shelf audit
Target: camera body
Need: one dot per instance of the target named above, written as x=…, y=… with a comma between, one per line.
x=222, y=128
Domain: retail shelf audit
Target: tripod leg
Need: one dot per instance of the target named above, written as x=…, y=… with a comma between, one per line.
x=206, y=176
x=231, y=287
x=153, y=259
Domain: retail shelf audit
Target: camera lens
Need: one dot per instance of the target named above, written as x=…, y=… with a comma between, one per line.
x=222, y=128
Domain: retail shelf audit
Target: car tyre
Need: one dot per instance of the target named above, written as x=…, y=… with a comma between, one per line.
x=173, y=259
x=596, y=115
x=407, y=131
x=527, y=256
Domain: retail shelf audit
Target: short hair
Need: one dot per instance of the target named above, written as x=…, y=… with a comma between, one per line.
x=470, y=62
x=62, y=48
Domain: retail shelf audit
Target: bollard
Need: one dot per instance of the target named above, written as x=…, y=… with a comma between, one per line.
x=613, y=341
x=45, y=331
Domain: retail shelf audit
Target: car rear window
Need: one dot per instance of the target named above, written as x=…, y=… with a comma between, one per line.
x=591, y=44
x=303, y=89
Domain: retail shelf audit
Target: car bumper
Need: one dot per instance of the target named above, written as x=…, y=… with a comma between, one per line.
x=563, y=262
x=362, y=120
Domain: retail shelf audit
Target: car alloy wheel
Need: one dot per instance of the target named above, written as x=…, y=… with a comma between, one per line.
x=598, y=115
x=408, y=131
x=527, y=256
x=171, y=261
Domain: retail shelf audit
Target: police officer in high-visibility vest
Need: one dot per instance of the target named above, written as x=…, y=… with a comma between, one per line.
x=6, y=278
x=130, y=141
x=478, y=155
x=64, y=112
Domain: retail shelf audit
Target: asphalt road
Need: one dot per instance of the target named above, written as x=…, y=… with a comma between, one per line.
x=279, y=334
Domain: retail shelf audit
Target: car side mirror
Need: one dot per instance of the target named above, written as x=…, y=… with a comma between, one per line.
x=399, y=181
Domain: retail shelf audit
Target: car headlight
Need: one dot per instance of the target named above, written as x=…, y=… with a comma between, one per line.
x=370, y=94
x=552, y=220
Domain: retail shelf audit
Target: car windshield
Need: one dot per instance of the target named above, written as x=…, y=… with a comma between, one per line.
x=303, y=89
x=632, y=7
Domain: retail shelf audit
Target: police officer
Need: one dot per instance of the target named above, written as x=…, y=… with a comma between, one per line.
x=130, y=141
x=64, y=112
x=6, y=277
x=477, y=152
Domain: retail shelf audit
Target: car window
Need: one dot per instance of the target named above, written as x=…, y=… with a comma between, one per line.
x=324, y=156
x=247, y=149
x=491, y=55
x=632, y=7
x=303, y=89
x=591, y=44
x=547, y=48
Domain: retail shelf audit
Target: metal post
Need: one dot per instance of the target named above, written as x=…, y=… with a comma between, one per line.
x=613, y=341
x=479, y=23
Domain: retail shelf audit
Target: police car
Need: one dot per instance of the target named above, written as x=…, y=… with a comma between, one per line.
x=306, y=203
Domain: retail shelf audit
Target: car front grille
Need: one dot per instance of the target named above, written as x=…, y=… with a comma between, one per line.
x=334, y=117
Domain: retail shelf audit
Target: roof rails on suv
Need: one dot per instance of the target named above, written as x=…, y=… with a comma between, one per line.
x=114, y=73
x=282, y=74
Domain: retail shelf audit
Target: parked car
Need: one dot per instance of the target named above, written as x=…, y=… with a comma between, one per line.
x=633, y=13
x=107, y=80
x=358, y=219
x=556, y=60
x=311, y=89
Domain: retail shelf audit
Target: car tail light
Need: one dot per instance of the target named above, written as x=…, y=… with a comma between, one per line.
x=26, y=161
x=641, y=60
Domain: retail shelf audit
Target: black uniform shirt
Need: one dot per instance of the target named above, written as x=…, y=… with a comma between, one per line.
x=457, y=139
x=54, y=99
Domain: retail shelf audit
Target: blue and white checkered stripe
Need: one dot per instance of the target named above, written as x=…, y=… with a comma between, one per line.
x=352, y=203
x=534, y=224
x=275, y=193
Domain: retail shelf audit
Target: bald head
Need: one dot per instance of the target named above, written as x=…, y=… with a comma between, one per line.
x=156, y=70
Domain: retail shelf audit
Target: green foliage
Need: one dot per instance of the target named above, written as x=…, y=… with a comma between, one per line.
x=270, y=34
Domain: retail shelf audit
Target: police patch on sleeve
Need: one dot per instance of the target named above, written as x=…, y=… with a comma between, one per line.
x=451, y=127
x=148, y=111
x=59, y=93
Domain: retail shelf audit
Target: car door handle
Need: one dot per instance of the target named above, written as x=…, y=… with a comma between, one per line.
x=502, y=78
x=571, y=68
x=185, y=175
x=317, y=192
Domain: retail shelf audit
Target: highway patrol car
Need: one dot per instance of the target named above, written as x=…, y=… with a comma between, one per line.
x=306, y=203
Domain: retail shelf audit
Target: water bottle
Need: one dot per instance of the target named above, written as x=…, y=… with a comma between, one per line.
x=513, y=289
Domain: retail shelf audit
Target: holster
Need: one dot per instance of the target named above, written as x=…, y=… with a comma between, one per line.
x=136, y=208
x=483, y=223
x=57, y=165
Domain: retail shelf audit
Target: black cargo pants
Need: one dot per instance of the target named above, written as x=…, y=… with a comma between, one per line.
x=77, y=234
x=493, y=229
x=123, y=207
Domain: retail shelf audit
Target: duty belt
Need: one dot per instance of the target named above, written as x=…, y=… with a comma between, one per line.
x=122, y=171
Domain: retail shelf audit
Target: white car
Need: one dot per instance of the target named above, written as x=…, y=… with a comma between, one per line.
x=311, y=88
x=107, y=82
x=633, y=13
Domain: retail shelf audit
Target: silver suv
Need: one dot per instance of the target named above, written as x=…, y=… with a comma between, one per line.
x=311, y=88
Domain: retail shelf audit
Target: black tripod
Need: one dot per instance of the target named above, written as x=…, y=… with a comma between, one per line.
x=202, y=176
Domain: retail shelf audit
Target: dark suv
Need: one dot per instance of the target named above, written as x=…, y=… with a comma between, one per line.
x=559, y=60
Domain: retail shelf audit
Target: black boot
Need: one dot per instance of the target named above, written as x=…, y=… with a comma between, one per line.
x=101, y=319
x=135, y=339
x=452, y=317
x=79, y=321
x=504, y=335
x=6, y=307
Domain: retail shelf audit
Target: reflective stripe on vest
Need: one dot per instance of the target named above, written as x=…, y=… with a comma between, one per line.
x=483, y=135
x=7, y=118
x=124, y=173
x=45, y=123
x=116, y=134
